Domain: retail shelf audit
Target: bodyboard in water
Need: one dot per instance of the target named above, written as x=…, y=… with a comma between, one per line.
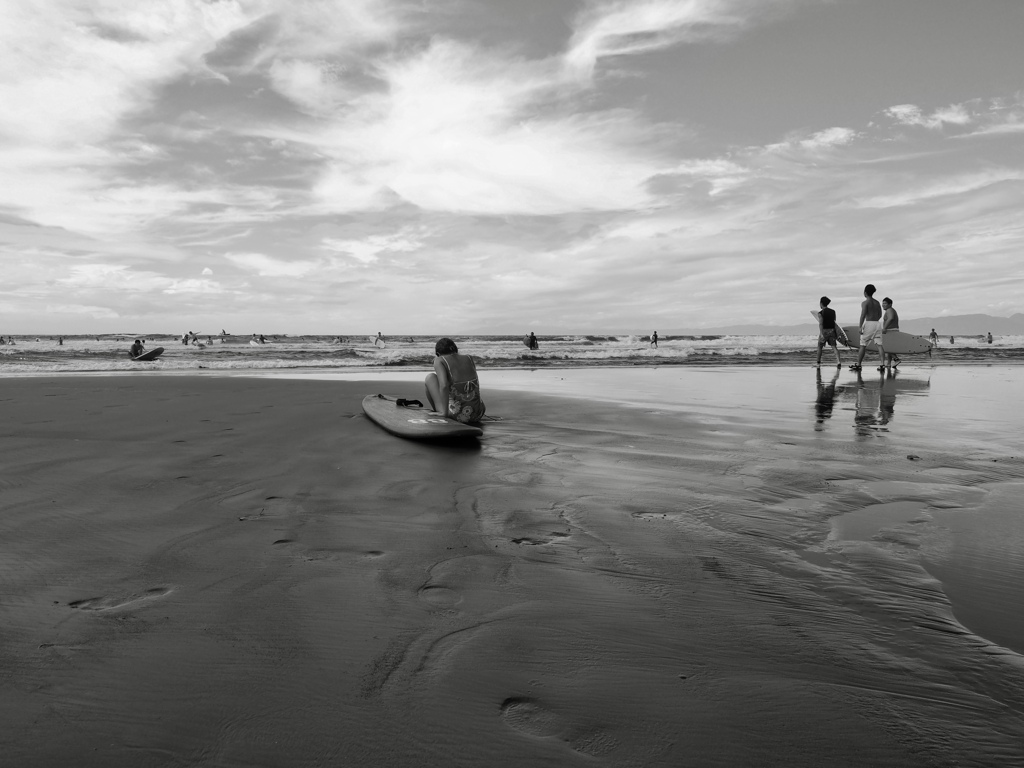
x=415, y=422
x=153, y=354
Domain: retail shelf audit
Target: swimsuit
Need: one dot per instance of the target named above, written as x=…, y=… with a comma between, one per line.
x=871, y=331
x=464, y=403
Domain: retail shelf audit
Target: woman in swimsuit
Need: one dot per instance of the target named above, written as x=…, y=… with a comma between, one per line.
x=454, y=389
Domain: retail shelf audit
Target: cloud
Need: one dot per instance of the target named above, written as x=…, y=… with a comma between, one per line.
x=949, y=186
x=459, y=129
x=830, y=137
x=911, y=114
x=207, y=287
x=94, y=312
x=268, y=266
x=71, y=70
x=111, y=277
x=628, y=27
x=367, y=250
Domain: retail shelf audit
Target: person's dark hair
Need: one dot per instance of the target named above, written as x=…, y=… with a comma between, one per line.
x=136, y=341
x=445, y=346
x=826, y=300
x=869, y=289
x=887, y=299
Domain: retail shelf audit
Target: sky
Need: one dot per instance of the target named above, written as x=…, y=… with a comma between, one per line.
x=499, y=166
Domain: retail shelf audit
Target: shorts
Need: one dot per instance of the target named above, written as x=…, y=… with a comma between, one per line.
x=881, y=336
x=827, y=336
x=870, y=331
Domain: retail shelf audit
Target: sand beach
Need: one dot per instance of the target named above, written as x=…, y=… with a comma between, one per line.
x=733, y=566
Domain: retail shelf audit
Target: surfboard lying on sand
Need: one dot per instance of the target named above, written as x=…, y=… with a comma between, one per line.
x=414, y=421
x=153, y=354
x=896, y=342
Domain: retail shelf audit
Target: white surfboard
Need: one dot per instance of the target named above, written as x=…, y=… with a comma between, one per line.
x=377, y=342
x=893, y=342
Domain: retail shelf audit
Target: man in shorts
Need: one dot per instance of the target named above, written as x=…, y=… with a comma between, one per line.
x=827, y=331
x=870, y=326
x=890, y=322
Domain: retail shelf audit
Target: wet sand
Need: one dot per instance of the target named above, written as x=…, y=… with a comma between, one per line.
x=723, y=568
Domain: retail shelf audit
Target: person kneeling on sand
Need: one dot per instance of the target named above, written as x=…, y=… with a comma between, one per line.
x=827, y=331
x=454, y=388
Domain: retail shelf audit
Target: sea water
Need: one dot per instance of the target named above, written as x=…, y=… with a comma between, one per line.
x=109, y=353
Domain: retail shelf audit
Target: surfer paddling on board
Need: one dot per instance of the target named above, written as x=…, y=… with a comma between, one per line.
x=828, y=331
x=890, y=322
x=870, y=325
x=454, y=389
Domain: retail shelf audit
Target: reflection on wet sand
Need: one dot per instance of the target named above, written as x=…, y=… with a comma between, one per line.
x=874, y=399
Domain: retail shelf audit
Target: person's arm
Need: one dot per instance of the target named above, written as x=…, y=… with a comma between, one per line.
x=886, y=320
x=863, y=312
x=443, y=383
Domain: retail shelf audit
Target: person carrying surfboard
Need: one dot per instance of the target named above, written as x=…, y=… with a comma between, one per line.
x=454, y=388
x=828, y=331
x=890, y=322
x=870, y=326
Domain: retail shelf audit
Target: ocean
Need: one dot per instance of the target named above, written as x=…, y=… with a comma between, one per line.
x=32, y=355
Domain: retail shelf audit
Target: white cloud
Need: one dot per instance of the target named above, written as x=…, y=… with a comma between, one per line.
x=81, y=309
x=112, y=277
x=911, y=114
x=71, y=69
x=194, y=286
x=949, y=186
x=268, y=266
x=623, y=27
x=207, y=271
x=830, y=137
x=460, y=130
x=368, y=249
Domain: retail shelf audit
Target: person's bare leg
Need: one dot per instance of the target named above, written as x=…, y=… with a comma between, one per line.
x=860, y=354
x=433, y=390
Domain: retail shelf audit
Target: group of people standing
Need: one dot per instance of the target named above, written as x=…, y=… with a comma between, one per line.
x=876, y=319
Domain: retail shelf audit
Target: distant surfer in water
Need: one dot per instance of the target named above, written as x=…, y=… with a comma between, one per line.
x=454, y=388
x=654, y=339
x=890, y=322
x=533, y=341
x=828, y=331
x=137, y=349
x=870, y=325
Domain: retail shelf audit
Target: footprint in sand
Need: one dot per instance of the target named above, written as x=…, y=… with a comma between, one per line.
x=534, y=541
x=532, y=718
x=528, y=716
x=442, y=597
x=109, y=603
